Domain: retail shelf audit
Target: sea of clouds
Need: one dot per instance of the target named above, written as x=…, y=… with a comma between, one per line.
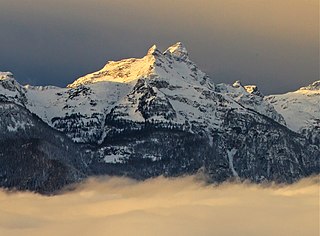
x=160, y=206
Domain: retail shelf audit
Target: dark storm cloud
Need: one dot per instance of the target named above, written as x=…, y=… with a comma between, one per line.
x=271, y=43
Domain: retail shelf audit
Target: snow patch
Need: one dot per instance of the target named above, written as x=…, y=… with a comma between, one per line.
x=300, y=109
x=231, y=153
x=113, y=158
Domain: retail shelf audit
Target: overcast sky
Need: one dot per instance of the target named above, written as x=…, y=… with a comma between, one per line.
x=271, y=43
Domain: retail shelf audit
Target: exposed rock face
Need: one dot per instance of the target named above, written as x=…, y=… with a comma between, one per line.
x=158, y=115
x=34, y=156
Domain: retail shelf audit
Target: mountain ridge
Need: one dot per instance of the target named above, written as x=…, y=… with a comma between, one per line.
x=161, y=115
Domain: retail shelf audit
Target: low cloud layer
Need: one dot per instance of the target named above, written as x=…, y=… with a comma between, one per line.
x=183, y=206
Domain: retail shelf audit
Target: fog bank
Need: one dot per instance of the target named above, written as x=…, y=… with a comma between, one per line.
x=182, y=206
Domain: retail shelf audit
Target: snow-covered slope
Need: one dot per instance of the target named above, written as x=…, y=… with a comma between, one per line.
x=79, y=111
x=124, y=71
x=250, y=97
x=301, y=108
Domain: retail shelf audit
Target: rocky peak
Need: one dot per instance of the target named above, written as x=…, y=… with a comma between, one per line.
x=237, y=84
x=253, y=89
x=10, y=89
x=178, y=51
x=8, y=82
x=154, y=51
x=6, y=75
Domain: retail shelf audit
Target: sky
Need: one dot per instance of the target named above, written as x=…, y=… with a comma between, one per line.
x=171, y=207
x=271, y=43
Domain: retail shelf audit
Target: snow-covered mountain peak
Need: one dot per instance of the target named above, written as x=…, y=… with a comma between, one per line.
x=6, y=75
x=253, y=89
x=154, y=51
x=174, y=63
x=10, y=89
x=8, y=82
x=243, y=89
x=178, y=51
x=237, y=84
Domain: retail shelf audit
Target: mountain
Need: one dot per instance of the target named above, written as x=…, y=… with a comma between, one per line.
x=156, y=115
x=301, y=110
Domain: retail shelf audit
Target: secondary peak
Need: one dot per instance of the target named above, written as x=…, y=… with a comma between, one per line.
x=153, y=51
x=237, y=84
x=178, y=51
x=6, y=75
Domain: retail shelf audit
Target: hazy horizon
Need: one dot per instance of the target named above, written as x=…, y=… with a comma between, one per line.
x=273, y=44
